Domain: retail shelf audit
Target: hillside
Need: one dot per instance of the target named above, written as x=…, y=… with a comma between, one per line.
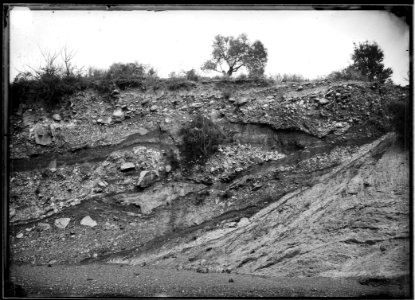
x=311, y=180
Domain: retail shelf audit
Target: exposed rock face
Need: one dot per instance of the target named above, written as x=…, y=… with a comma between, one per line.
x=160, y=195
x=353, y=222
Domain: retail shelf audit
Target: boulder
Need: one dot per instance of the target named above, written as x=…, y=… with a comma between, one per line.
x=115, y=92
x=323, y=101
x=153, y=108
x=127, y=167
x=61, y=223
x=118, y=113
x=142, y=131
x=147, y=178
x=19, y=236
x=242, y=101
x=243, y=222
x=52, y=165
x=57, y=117
x=88, y=221
x=43, y=134
x=196, y=105
x=300, y=88
x=108, y=120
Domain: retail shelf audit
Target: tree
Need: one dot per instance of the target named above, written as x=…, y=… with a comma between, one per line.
x=368, y=59
x=236, y=53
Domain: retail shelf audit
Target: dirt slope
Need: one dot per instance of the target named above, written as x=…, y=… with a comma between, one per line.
x=353, y=222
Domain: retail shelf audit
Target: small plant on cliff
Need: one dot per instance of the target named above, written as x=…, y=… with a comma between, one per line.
x=200, y=139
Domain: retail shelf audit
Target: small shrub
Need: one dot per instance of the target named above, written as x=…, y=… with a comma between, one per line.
x=292, y=78
x=242, y=77
x=349, y=73
x=200, y=139
x=175, y=84
x=191, y=75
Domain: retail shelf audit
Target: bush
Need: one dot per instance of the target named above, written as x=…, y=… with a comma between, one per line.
x=46, y=88
x=200, y=139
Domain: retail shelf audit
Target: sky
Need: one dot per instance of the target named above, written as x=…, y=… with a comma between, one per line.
x=307, y=42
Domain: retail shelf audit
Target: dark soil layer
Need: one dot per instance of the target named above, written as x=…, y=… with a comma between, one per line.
x=98, y=280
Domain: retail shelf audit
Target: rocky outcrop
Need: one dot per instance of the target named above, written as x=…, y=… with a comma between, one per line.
x=159, y=195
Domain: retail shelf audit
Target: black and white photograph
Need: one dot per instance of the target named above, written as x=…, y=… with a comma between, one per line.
x=228, y=151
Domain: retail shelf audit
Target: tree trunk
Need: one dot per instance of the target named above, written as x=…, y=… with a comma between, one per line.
x=230, y=72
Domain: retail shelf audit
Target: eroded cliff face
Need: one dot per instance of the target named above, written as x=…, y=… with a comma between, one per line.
x=354, y=221
x=302, y=187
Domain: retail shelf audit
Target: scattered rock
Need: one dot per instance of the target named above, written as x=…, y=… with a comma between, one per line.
x=43, y=226
x=202, y=270
x=256, y=186
x=102, y=184
x=127, y=167
x=88, y=221
x=62, y=223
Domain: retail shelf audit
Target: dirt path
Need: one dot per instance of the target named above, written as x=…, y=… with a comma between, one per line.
x=100, y=280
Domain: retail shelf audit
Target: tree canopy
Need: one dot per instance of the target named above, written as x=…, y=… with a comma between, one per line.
x=368, y=59
x=235, y=53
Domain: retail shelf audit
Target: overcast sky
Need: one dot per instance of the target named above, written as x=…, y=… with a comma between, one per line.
x=306, y=42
